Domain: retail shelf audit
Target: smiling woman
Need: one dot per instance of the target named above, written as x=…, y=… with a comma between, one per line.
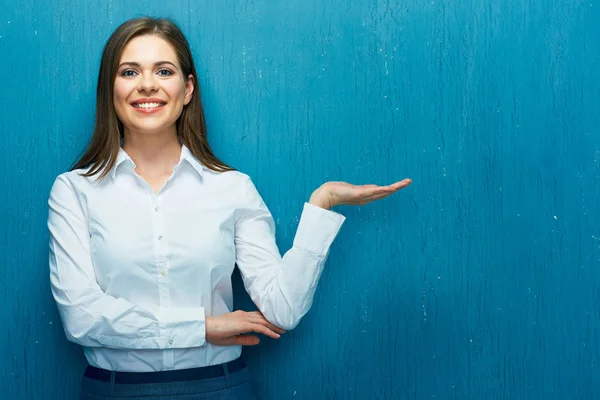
x=147, y=228
x=146, y=60
x=149, y=95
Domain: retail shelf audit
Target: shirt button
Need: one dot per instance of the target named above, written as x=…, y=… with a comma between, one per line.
x=171, y=341
x=159, y=238
x=163, y=272
x=156, y=209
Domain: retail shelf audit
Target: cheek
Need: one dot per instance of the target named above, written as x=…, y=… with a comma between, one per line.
x=119, y=106
x=122, y=90
x=175, y=90
x=120, y=93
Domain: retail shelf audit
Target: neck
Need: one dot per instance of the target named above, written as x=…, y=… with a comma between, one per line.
x=152, y=154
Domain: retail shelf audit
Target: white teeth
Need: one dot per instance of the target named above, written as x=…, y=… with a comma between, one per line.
x=147, y=105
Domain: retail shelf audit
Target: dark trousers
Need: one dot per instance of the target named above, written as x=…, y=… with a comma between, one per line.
x=167, y=386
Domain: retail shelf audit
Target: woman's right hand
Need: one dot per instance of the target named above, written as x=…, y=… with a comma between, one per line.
x=233, y=328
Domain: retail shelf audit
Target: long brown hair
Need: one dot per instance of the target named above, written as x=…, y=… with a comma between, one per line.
x=104, y=147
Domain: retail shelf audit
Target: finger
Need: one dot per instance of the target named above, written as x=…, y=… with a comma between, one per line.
x=376, y=191
x=373, y=191
x=367, y=196
x=401, y=184
x=277, y=329
x=254, y=327
x=370, y=199
x=246, y=340
x=260, y=318
x=272, y=327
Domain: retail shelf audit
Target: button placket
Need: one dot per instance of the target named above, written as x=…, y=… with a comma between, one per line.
x=160, y=252
x=162, y=268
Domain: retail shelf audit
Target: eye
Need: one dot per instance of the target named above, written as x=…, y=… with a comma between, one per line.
x=165, y=72
x=128, y=73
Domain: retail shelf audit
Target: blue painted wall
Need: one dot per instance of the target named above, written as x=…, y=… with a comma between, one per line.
x=480, y=281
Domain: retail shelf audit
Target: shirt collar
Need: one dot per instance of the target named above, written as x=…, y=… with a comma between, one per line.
x=186, y=155
x=121, y=157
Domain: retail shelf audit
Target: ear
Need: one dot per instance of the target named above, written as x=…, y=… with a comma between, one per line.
x=189, y=89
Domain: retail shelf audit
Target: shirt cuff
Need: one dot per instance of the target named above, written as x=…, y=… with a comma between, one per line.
x=182, y=327
x=317, y=229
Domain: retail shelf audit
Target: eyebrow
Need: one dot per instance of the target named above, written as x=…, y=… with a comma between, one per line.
x=135, y=64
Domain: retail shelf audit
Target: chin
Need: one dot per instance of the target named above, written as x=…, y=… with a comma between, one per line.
x=150, y=127
x=154, y=130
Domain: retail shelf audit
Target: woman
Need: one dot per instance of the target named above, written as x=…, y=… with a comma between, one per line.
x=147, y=227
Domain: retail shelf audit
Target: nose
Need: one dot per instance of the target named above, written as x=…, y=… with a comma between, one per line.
x=147, y=83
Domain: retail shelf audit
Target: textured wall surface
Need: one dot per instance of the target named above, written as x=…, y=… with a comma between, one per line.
x=480, y=281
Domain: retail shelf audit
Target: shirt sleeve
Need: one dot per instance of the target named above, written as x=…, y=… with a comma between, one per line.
x=92, y=318
x=282, y=287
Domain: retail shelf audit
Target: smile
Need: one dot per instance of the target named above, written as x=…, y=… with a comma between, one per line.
x=148, y=105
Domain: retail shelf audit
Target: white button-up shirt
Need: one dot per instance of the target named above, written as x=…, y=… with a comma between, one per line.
x=135, y=273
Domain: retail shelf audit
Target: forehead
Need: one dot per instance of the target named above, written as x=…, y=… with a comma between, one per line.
x=148, y=49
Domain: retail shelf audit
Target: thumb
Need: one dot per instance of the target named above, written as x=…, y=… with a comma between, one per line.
x=247, y=340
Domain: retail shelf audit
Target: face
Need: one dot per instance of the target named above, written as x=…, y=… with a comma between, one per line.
x=150, y=89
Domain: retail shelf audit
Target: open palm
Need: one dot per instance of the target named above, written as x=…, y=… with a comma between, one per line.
x=337, y=193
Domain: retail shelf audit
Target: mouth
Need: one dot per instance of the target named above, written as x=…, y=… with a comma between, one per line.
x=148, y=106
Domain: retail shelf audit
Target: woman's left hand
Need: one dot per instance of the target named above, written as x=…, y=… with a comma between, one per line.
x=331, y=194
